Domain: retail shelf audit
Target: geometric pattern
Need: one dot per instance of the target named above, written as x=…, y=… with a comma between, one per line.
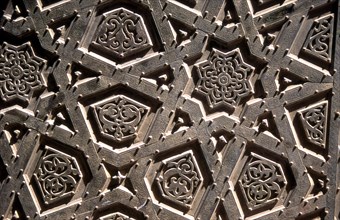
x=20, y=71
x=314, y=122
x=119, y=117
x=180, y=109
x=180, y=179
x=122, y=33
x=319, y=40
x=57, y=175
x=261, y=182
x=224, y=78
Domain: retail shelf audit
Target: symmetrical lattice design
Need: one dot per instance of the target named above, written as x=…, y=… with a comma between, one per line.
x=319, y=40
x=314, y=123
x=116, y=216
x=20, y=71
x=169, y=109
x=119, y=117
x=180, y=179
x=57, y=175
x=123, y=33
x=224, y=78
x=262, y=182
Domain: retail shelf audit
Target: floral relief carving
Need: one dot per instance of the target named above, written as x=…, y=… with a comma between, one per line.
x=170, y=109
x=314, y=122
x=20, y=71
x=57, y=175
x=319, y=40
x=123, y=33
x=180, y=179
x=224, y=78
x=116, y=216
x=262, y=182
x=119, y=117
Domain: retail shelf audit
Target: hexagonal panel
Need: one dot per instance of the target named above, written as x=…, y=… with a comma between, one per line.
x=180, y=179
x=119, y=117
x=262, y=182
x=122, y=33
x=57, y=175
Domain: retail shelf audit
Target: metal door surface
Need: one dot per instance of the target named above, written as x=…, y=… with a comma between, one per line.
x=169, y=109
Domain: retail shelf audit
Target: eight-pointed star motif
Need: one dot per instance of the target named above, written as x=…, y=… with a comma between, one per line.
x=20, y=71
x=224, y=78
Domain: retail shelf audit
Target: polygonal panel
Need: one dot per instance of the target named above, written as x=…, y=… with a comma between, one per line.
x=319, y=40
x=169, y=109
x=180, y=179
x=57, y=175
x=119, y=117
x=122, y=33
x=20, y=71
x=314, y=122
x=224, y=78
x=262, y=182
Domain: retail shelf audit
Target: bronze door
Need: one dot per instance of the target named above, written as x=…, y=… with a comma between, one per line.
x=169, y=109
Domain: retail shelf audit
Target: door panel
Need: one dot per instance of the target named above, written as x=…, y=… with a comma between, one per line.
x=169, y=109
